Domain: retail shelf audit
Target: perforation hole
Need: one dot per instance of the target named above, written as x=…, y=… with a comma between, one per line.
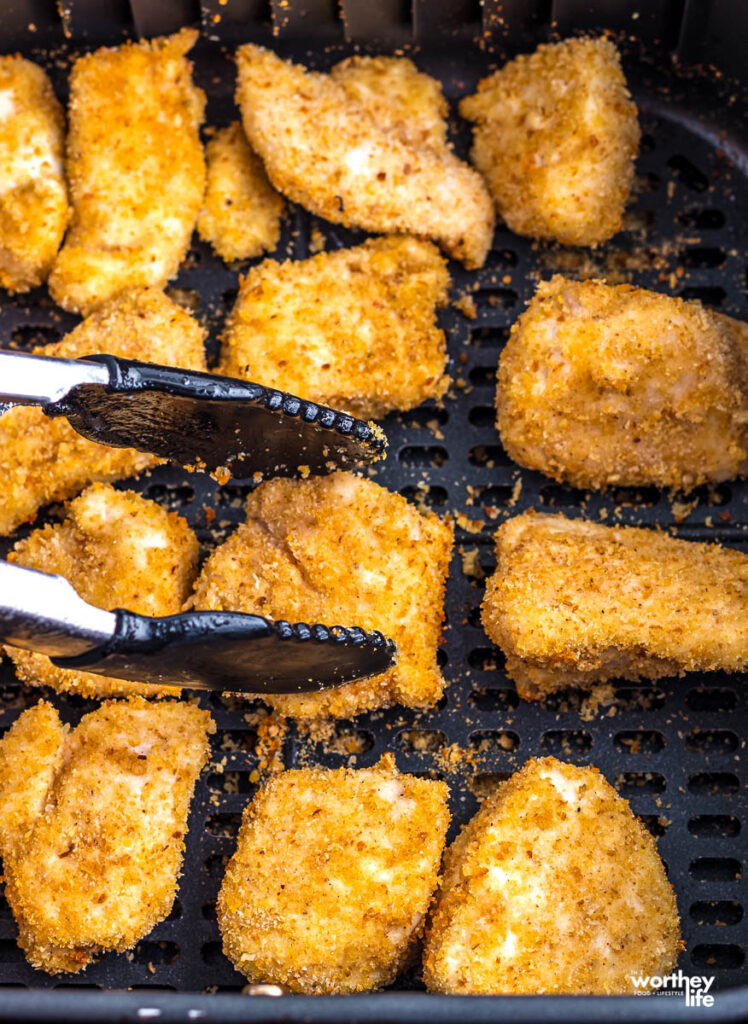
x=487, y=659
x=713, y=783
x=192, y=259
x=485, y=783
x=712, y=826
x=716, y=912
x=712, y=699
x=566, y=742
x=630, y=497
x=434, y=496
x=228, y=297
x=482, y=416
x=655, y=824
x=9, y=952
x=238, y=741
x=230, y=782
x=223, y=825
x=426, y=416
x=503, y=298
x=171, y=496
x=702, y=219
x=638, y=783
x=489, y=337
x=714, y=495
x=176, y=911
x=710, y=295
x=726, y=957
x=494, y=497
x=647, y=182
x=715, y=869
x=188, y=298
x=344, y=739
x=712, y=741
x=702, y=257
x=212, y=954
x=560, y=496
x=688, y=173
x=215, y=865
x=483, y=377
x=148, y=952
x=232, y=495
x=488, y=741
x=639, y=698
x=421, y=740
x=488, y=455
x=423, y=455
x=27, y=338
x=497, y=700
x=639, y=741
x=208, y=910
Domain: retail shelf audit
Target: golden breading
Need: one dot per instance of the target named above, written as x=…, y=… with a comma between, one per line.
x=332, y=878
x=44, y=460
x=614, y=385
x=241, y=211
x=92, y=824
x=33, y=195
x=553, y=887
x=135, y=167
x=118, y=550
x=556, y=137
x=575, y=603
x=398, y=96
x=340, y=550
x=354, y=329
x=331, y=150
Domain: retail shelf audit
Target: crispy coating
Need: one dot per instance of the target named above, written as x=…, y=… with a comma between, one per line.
x=602, y=385
x=574, y=603
x=332, y=878
x=355, y=328
x=556, y=137
x=44, y=460
x=241, y=211
x=92, y=824
x=119, y=550
x=340, y=550
x=327, y=145
x=553, y=887
x=33, y=194
x=135, y=167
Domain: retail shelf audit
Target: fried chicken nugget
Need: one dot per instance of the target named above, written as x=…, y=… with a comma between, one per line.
x=354, y=329
x=332, y=877
x=241, y=211
x=556, y=137
x=575, y=603
x=33, y=194
x=553, y=887
x=340, y=550
x=44, y=460
x=135, y=167
x=92, y=824
x=602, y=385
x=119, y=550
x=326, y=147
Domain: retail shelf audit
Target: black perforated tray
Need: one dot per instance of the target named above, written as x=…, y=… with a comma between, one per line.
x=675, y=749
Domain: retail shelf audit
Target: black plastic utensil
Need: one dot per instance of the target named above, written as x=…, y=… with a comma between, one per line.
x=201, y=650
x=192, y=418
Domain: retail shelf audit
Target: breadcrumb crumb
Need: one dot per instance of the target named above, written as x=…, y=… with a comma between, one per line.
x=92, y=824
x=332, y=878
x=556, y=136
x=119, y=550
x=354, y=329
x=553, y=887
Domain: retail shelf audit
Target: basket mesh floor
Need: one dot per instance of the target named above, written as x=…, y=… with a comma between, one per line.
x=674, y=749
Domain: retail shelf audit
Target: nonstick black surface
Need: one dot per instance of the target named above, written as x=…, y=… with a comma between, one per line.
x=674, y=749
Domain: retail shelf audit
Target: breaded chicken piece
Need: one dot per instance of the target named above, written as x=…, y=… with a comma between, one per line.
x=354, y=328
x=614, y=385
x=119, y=550
x=33, y=194
x=135, y=167
x=556, y=137
x=553, y=887
x=574, y=603
x=241, y=211
x=332, y=878
x=340, y=550
x=44, y=460
x=338, y=155
x=92, y=824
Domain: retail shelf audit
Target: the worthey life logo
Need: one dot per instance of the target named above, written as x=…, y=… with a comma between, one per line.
x=695, y=989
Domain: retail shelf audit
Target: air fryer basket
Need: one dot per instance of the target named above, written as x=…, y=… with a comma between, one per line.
x=674, y=748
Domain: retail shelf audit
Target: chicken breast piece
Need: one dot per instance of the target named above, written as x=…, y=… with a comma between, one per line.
x=602, y=385
x=33, y=194
x=354, y=329
x=92, y=824
x=556, y=137
x=340, y=550
x=332, y=151
x=553, y=887
x=119, y=550
x=332, y=878
x=575, y=603
x=135, y=167
x=44, y=460
x=241, y=211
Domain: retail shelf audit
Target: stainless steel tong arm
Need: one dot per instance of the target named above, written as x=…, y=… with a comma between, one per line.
x=39, y=380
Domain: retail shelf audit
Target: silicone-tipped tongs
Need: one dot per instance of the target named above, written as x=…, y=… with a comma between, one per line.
x=199, y=650
x=192, y=418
